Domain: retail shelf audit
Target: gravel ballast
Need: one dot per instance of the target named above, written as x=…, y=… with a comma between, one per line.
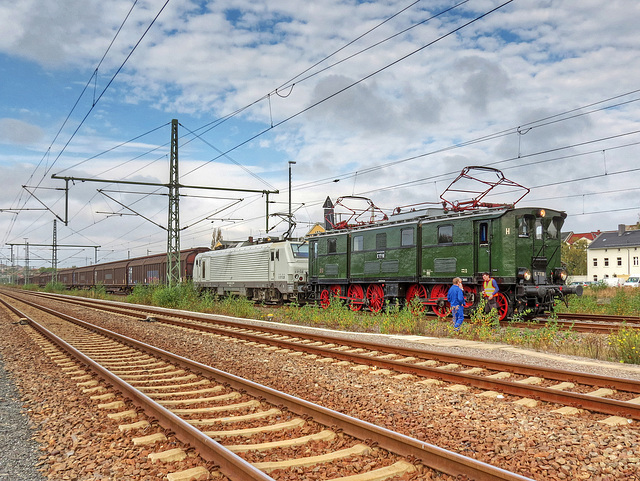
x=531, y=441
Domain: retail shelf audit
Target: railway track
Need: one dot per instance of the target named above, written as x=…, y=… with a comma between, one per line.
x=591, y=323
x=618, y=398
x=220, y=414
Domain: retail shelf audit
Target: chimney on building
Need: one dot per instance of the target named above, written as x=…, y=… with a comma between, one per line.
x=621, y=229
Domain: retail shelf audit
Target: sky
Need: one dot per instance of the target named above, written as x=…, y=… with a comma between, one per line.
x=388, y=100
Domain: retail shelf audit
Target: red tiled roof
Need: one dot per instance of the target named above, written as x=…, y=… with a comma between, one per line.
x=590, y=236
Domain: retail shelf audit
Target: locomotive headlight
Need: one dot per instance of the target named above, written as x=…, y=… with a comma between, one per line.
x=560, y=274
x=542, y=213
x=524, y=273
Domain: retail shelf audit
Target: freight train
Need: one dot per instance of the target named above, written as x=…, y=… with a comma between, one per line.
x=124, y=275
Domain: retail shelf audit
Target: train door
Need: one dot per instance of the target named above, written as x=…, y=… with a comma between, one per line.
x=313, y=258
x=275, y=257
x=483, y=245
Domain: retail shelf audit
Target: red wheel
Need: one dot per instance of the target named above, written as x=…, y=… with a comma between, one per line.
x=503, y=305
x=325, y=298
x=442, y=308
x=416, y=290
x=355, y=293
x=327, y=294
x=375, y=296
x=470, y=293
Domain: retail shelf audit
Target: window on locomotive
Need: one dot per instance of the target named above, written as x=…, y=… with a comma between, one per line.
x=539, y=229
x=332, y=246
x=549, y=229
x=445, y=234
x=523, y=227
x=407, y=237
x=300, y=250
x=483, y=234
x=358, y=243
x=381, y=241
x=556, y=227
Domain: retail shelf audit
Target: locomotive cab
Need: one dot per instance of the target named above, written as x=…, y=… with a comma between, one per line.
x=541, y=277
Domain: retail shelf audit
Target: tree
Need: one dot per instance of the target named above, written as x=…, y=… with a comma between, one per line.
x=216, y=237
x=574, y=256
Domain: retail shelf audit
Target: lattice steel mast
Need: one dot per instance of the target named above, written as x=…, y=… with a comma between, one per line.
x=173, y=227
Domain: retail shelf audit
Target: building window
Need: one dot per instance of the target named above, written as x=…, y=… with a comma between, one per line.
x=445, y=234
x=595, y=262
x=595, y=278
x=358, y=243
x=619, y=261
x=635, y=261
x=606, y=262
x=407, y=237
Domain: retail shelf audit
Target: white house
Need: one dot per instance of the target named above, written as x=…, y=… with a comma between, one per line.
x=614, y=254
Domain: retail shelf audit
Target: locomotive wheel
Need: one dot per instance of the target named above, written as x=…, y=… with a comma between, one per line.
x=471, y=293
x=355, y=294
x=375, y=296
x=325, y=298
x=503, y=305
x=441, y=309
x=416, y=290
x=326, y=295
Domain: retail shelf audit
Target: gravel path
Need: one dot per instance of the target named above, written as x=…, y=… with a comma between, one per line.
x=19, y=451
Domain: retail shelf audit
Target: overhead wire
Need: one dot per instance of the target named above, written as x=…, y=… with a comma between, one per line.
x=357, y=82
x=225, y=154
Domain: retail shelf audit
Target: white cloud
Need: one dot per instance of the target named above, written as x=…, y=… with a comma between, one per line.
x=16, y=131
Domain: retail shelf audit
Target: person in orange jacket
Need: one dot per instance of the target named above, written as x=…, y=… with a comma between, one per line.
x=489, y=290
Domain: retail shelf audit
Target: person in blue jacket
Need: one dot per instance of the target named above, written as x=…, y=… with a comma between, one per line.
x=455, y=296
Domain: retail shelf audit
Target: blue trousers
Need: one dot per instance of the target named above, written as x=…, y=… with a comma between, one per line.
x=458, y=316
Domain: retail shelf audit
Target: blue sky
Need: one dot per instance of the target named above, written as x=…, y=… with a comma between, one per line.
x=548, y=86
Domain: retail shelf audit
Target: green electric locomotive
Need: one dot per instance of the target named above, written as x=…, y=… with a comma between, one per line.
x=413, y=256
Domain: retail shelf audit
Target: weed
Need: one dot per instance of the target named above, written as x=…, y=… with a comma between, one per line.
x=625, y=345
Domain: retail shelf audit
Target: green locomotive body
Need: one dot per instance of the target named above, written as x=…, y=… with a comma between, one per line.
x=416, y=255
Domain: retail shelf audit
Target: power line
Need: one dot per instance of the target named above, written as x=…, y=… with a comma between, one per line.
x=357, y=82
x=95, y=100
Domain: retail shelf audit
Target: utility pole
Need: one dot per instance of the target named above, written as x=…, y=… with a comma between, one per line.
x=54, y=255
x=26, y=261
x=173, y=228
x=291, y=162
